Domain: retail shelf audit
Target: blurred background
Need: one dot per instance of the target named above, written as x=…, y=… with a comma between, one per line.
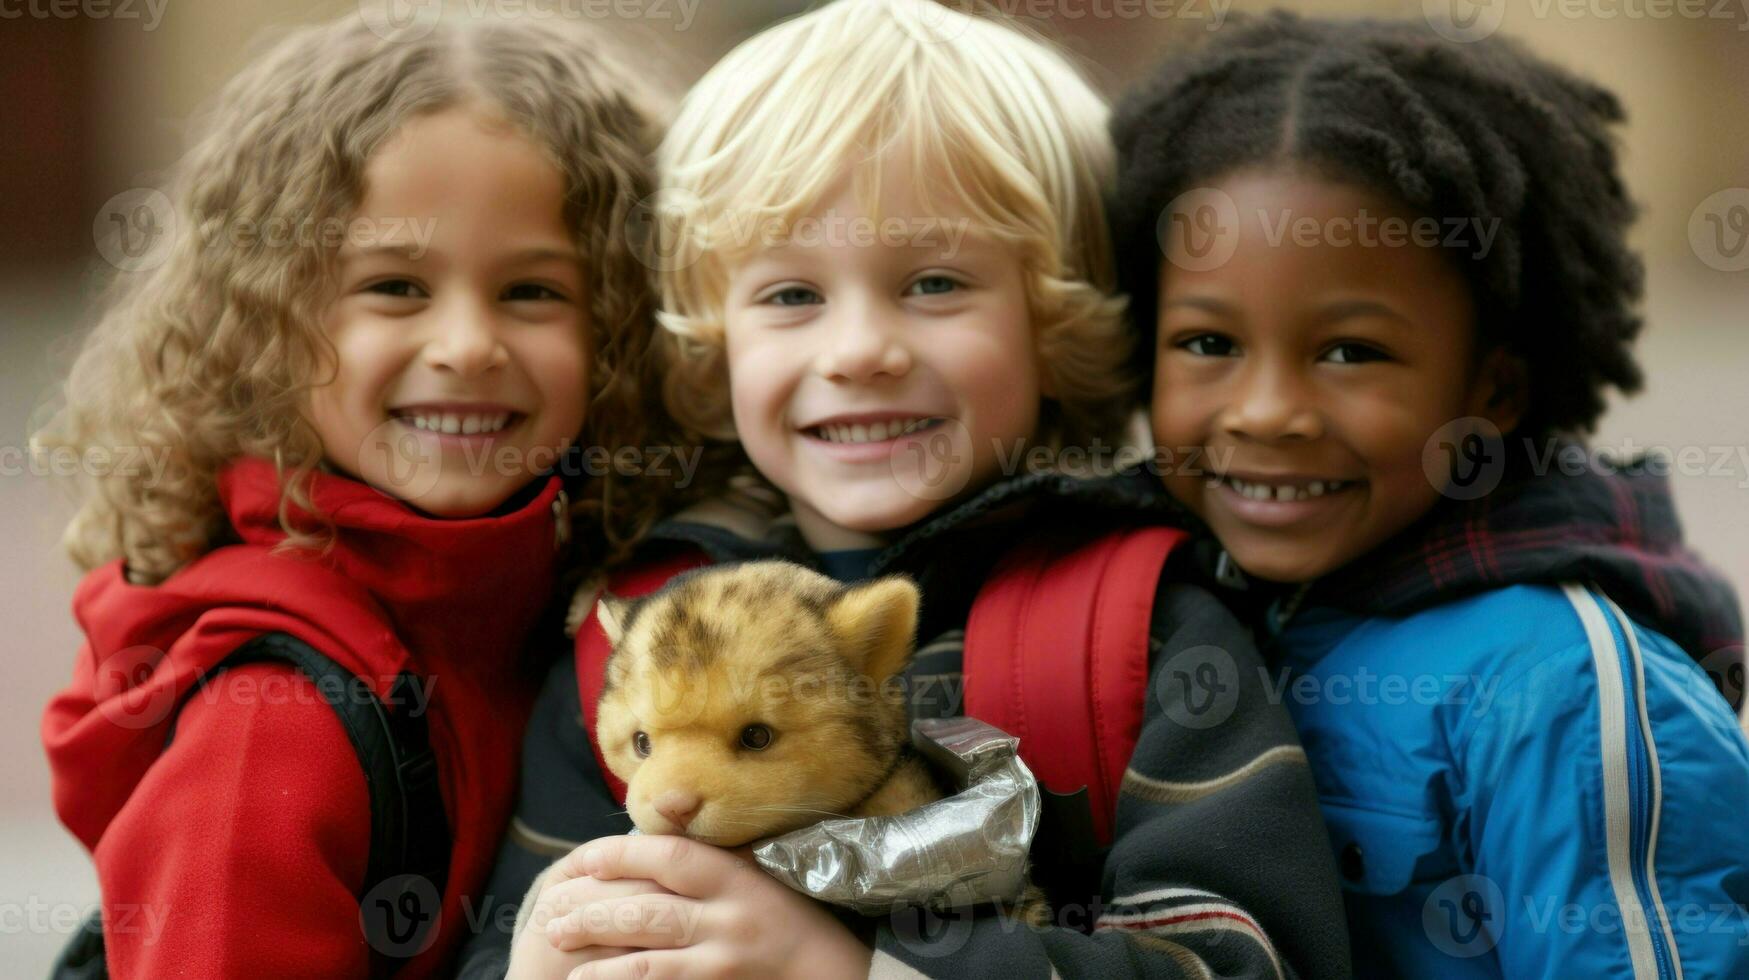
x=98, y=95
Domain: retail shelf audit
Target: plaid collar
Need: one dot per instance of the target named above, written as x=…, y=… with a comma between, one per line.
x=1617, y=529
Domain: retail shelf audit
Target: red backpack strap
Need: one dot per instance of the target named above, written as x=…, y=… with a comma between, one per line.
x=1056, y=653
x=593, y=648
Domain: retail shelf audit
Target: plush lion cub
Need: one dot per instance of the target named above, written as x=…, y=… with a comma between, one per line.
x=750, y=700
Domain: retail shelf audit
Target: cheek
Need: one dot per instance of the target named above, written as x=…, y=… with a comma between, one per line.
x=358, y=380
x=557, y=362
x=1181, y=412
x=994, y=372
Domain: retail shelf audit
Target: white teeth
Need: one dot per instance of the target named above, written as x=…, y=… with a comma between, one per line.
x=454, y=424
x=871, y=432
x=1284, y=492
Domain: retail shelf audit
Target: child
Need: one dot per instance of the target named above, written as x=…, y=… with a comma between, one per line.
x=1523, y=769
x=888, y=274
x=402, y=279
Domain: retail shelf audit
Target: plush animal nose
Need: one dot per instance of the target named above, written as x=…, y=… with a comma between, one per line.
x=678, y=806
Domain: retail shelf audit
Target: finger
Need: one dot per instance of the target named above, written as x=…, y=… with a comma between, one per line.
x=556, y=900
x=571, y=865
x=685, y=867
x=645, y=964
x=641, y=921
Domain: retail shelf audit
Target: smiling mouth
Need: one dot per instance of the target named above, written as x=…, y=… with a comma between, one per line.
x=1284, y=492
x=457, y=423
x=871, y=432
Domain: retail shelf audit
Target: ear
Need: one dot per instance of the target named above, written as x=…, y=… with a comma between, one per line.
x=879, y=619
x=610, y=612
x=1500, y=392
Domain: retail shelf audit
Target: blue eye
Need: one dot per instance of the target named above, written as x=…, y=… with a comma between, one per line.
x=934, y=286
x=1210, y=345
x=400, y=288
x=1353, y=353
x=794, y=296
x=531, y=291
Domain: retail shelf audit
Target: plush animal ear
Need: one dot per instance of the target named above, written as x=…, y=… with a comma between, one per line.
x=879, y=619
x=610, y=611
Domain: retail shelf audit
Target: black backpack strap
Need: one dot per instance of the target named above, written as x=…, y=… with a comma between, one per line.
x=408, y=865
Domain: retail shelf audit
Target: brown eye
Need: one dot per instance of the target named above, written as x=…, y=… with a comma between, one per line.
x=641, y=744
x=755, y=737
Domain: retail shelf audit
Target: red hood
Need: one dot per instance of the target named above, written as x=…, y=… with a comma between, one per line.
x=451, y=600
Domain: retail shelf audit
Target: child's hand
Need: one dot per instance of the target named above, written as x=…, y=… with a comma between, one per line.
x=720, y=916
x=533, y=956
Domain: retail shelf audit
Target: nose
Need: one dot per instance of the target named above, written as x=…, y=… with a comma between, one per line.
x=1272, y=404
x=465, y=339
x=862, y=345
x=678, y=807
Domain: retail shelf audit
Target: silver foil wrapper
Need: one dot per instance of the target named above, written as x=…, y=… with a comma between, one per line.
x=964, y=850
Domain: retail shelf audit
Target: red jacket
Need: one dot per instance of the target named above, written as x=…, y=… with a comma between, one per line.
x=240, y=850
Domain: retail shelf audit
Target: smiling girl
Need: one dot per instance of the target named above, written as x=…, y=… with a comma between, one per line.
x=1377, y=410
x=362, y=433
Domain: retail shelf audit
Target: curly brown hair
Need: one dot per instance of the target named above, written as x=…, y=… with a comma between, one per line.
x=211, y=355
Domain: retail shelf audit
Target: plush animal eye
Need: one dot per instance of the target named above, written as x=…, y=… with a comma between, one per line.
x=641, y=744
x=755, y=737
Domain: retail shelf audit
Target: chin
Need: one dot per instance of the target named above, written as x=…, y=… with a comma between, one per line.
x=458, y=503
x=1285, y=564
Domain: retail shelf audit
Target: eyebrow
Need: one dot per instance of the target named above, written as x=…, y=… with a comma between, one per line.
x=1349, y=308
x=411, y=251
x=1207, y=304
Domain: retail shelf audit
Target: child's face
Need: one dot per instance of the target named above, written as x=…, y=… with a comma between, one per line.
x=876, y=367
x=1300, y=363
x=459, y=323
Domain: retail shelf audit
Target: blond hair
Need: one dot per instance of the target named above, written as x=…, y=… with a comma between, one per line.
x=209, y=356
x=992, y=120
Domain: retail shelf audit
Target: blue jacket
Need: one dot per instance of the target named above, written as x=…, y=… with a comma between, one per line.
x=1525, y=782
